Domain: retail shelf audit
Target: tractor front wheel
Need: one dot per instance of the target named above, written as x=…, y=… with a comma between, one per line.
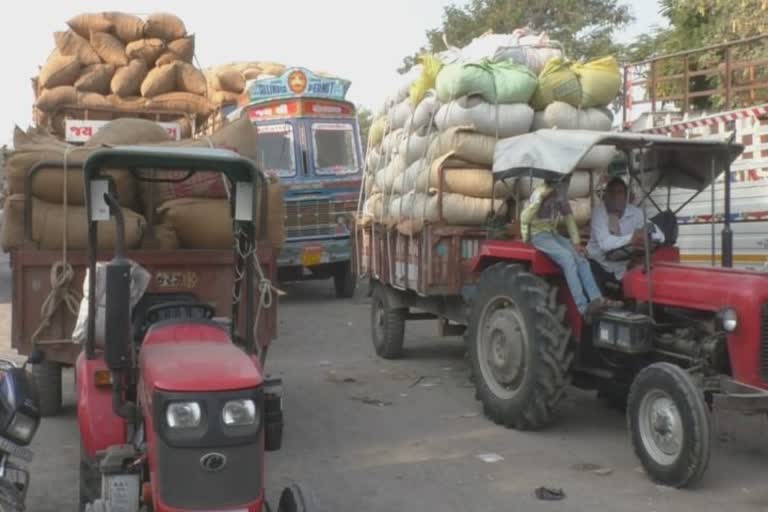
x=669, y=424
x=387, y=323
x=47, y=377
x=90, y=481
x=518, y=347
x=295, y=498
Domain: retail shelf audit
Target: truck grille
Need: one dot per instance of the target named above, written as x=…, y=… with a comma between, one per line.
x=314, y=217
x=764, y=345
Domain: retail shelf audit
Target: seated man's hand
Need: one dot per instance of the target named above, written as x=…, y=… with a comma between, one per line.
x=638, y=238
x=580, y=250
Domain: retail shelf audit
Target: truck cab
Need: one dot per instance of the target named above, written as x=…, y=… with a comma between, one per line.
x=309, y=137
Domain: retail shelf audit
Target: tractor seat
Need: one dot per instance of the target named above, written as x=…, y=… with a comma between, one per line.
x=667, y=223
x=174, y=313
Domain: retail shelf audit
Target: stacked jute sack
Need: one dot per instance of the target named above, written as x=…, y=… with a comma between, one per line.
x=119, y=61
x=430, y=149
x=191, y=214
x=226, y=83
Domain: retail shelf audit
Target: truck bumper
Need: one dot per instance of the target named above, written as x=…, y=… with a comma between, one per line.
x=315, y=254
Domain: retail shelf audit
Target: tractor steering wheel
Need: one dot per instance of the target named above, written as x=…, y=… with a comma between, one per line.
x=174, y=311
x=629, y=252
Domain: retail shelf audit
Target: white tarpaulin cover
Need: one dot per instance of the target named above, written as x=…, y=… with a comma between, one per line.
x=551, y=154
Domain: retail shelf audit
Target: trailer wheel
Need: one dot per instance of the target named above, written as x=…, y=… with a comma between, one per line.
x=47, y=378
x=90, y=481
x=345, y=281
x=669, y=424
x=518, y=347
x=387, y=323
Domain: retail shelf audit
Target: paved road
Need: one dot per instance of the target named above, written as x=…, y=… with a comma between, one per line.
x=379, y=436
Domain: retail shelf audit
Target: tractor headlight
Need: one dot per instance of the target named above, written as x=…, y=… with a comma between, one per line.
x=22, y=428
x=239, y=413
x=183, y=415
x=728, y=319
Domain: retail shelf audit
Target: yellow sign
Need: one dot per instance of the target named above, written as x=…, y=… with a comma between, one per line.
x=176, y=280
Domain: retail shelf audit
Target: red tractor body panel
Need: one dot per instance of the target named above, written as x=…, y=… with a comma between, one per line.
x=195, y=357
x=713, y=289
x=100, y=427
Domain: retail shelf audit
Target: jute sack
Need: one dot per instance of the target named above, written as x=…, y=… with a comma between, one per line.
x=146, y=49
x=127, y=79
x=563, y=116
x=163, y=238
x=164, y=26
x=464, y=143
x=48, y=224
x=467, y=181
x=128, y=131
x=228, y=80
x=52, y=99
x=93, y=100
x=225, y=97
x=96, y=78
x=130, y=104
x=70, y=44
x=238, y=136
x=181, y=49
x=457, y=209
x=181, y=102
x=109, y=48
x=159, y=80
x=48, y=185
x=59, y=70
x=84, y=24
x=126, y=27
x=190, y=79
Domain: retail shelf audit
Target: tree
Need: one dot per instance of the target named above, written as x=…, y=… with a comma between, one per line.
x=365, y=119
x=584, y=27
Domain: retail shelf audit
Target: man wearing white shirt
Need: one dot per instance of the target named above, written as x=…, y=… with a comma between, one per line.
x=616, y=223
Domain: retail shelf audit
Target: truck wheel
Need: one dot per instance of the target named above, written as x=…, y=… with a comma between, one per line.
x=90, y=481
x=98, y=506
x=10, y=497
x=669, y=424
x=518, y=347
x=295, y=498
x=345, y=281
x=47, y=378
x=387, y=323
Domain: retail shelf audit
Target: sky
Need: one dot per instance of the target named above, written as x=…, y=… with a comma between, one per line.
x=361, y=40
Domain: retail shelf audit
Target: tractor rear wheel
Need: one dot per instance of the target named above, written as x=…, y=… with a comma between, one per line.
x=669, y=424
x=47, y=378
x=519, y=348
x=387, y=323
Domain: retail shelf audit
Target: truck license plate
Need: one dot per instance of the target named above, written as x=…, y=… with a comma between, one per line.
x=312, y=256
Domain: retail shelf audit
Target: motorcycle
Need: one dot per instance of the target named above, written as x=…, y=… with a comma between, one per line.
x=19, y=420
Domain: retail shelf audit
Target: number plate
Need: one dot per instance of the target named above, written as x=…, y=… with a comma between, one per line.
x=312, y=256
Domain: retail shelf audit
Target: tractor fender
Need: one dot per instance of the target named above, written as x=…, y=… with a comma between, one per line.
x=100, y=427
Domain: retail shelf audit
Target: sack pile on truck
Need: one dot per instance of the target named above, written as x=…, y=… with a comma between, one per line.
x=431, y=146
x=121, y=62
x=56, y=214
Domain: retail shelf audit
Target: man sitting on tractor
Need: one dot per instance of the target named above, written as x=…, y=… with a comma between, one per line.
x=616, y=224
x=539, y=223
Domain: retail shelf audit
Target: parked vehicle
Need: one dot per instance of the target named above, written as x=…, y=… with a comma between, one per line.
x=690, y=338
x=174, y=408
x=309, y=136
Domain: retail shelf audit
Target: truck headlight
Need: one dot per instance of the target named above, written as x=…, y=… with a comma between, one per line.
x=728, y=318
x=22, y=428
x=183, y=415
x=238, y=413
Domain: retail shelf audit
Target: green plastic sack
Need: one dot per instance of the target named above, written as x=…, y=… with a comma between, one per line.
x=502, y=82
x=600, y=81
x=431, y=67
x=557, y=82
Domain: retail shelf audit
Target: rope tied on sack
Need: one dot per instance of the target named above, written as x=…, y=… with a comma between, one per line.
x=62, y=273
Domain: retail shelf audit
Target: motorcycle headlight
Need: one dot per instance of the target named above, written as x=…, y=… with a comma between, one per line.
x=238, y=413
x=729, y=320
x=22, y=428
x=183, y=415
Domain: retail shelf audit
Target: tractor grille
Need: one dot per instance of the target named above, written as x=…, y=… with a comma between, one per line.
x=314, y=217
x=764, y=345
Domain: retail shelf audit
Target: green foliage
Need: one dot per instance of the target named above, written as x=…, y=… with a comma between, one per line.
x=365, y=119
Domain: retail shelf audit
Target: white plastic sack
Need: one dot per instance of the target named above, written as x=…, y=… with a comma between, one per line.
x=390, y=143
x=578, y=188
x=385, y=178
x=530, y=56
x=424, y=112
x=399, y=114
x=598, y=158
x=414, y=146
x=373, y=161
x=563, y=116
x=140, y=278
x=500, y=121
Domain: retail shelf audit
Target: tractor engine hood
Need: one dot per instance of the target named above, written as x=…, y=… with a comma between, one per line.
x=701, y=288
x=195, y=357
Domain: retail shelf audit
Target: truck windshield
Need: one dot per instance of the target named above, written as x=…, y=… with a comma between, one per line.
x=334, y=148
x=276, y=149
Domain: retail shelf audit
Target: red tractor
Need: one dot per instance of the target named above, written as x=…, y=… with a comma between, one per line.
x=688, y=339
x=174, y=409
